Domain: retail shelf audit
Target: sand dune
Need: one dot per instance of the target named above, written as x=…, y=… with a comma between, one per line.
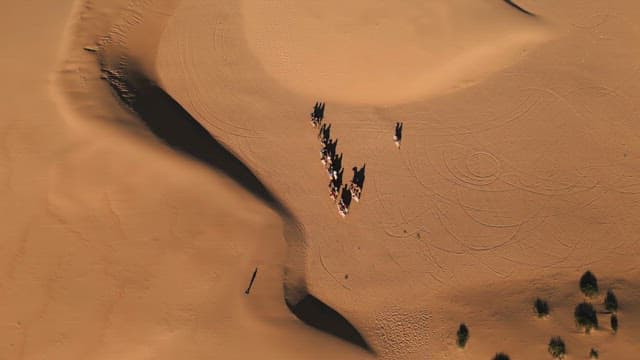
x=373, y=53
x=107, y=261
x=485, y=178
x=155, y=153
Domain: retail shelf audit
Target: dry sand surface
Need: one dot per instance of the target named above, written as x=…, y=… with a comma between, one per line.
x=155, y=152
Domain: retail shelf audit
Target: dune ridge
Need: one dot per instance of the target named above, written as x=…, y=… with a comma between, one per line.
x=165, y=118
x=171, y=123
x=387, y=55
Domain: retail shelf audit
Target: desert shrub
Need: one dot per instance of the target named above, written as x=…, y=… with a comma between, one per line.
x=501, y=356
x=614, y=323
x=556, y=347
x=463, y=335
x=611, y=302
x=593, y=354
x=589, y=284
x=541, y=307
x=585, y=316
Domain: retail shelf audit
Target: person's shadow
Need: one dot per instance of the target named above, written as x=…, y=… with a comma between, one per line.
x=320, y=114
x=332, y=147
x=358, y=176
x=336, y=164
x=325, y=132
x=318, y=111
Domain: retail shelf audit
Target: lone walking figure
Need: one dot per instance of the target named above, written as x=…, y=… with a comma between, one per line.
x=398, y=135
x=253, y=277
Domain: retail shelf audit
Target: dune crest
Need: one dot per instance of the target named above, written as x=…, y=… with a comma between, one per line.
x=125, y=57
x=381, y=52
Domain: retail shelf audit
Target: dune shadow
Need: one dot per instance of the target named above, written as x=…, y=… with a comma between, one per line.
x=519, y=8
x=317, y=314
x=170, y=122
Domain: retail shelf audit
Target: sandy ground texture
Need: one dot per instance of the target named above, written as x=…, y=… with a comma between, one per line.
x=156, y=152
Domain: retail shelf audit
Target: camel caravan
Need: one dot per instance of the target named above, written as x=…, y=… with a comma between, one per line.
x=332, y=162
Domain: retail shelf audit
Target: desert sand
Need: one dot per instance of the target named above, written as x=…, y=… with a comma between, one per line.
x=156, y=152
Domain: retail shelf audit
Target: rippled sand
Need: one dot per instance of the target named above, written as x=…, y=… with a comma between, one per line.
x=155, y=153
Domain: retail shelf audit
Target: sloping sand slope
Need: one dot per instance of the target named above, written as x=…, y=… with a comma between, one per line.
x=117, y=247
x=374, y=52
x=505, y=190
x=129, y=232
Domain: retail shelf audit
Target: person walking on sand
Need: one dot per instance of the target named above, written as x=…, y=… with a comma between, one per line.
x=398, y=134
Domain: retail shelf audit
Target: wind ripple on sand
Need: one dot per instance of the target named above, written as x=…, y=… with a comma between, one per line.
x=375, y=53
